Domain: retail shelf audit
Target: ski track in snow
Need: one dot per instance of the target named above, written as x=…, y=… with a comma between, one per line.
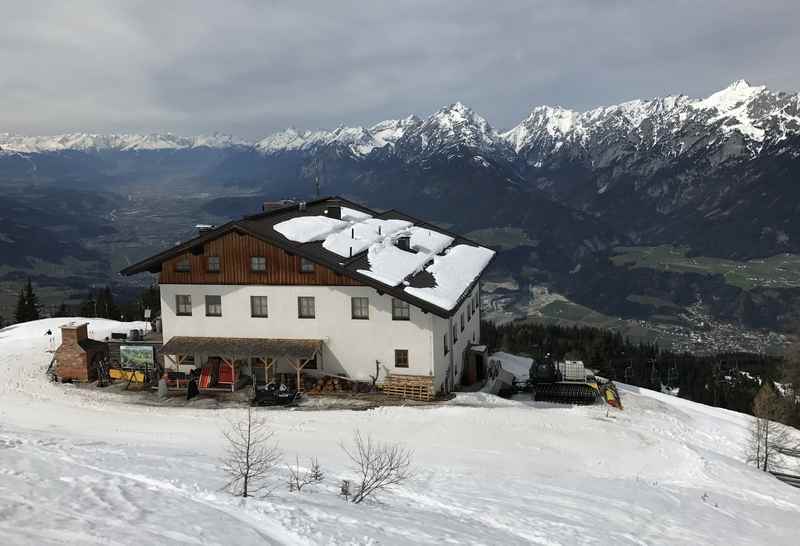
x=83, y=466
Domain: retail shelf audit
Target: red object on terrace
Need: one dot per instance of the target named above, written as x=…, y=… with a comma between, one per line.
x=226, y=374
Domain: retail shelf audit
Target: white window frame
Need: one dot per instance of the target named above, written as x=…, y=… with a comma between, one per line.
x=401, y=310
x=303, y=313
x=265, y=306
x=256, y=264
x=361, y=307
x=183, y=304
x=213, y=306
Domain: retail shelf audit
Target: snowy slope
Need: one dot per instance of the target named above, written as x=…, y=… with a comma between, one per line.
x=81, y=467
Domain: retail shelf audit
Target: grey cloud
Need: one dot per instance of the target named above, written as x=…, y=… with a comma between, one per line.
x=254, y=67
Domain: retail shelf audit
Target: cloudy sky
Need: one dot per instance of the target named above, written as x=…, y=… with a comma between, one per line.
x=252, y=67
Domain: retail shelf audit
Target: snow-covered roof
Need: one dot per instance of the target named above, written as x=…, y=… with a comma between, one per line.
x=453, y=268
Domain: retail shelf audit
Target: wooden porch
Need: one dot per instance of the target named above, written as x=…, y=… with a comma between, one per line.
x=225, y=364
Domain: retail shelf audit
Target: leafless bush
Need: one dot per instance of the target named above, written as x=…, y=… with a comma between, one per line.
x=250, y=457
x=299, y=478
x=344, y=489
x=379, y=465
x=772, y=447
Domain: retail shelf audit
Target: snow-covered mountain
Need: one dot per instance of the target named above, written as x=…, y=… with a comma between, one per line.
x=746, y=117
x=90, y=142
x=749, y=116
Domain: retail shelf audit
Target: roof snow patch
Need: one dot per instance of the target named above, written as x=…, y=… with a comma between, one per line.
x=454, y=272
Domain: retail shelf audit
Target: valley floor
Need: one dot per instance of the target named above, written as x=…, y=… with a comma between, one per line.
x=81, y=466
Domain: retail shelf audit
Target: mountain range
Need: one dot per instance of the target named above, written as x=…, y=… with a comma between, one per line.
x=562, y=195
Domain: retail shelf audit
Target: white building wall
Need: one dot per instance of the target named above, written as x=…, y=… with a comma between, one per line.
x=453, y=361
x=350, y=346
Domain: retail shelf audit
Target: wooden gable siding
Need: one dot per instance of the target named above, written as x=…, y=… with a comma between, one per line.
x=234, y=253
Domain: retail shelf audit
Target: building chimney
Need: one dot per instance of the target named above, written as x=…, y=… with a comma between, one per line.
x=204, y=228
x=73, y=334
x=404, y=243
x=334, y=211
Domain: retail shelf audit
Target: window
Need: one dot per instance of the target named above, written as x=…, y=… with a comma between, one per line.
x=306, y=266
x=213, y=264
x=469, y=311
x=182, y=265
x=455, y=333
x=446, y=348
x=400, y=310
x=462, y=321
x=401, y=358
x=258, y=263
x=258, y=306
x=213, y=306
x=183, y=305
x=305, y=307
x=360, y=308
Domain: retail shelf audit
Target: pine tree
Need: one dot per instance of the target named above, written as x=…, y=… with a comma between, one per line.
x=88, y=307
x=106, y=308
x=20, y=312
x=27, y=304
x=62, y=311
x=32, y=302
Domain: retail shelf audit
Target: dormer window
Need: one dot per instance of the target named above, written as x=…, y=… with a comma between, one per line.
x=182, y=265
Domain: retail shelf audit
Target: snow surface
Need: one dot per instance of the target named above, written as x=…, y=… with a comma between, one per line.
x=391, y=265
x=453, y=273
x=305, y=229
x=518, y=366
x=388, y=264
x=84, y=466
x=360, y=235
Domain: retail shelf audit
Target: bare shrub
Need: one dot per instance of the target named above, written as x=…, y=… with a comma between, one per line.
x=344, y=489
x=299, y=478
x=251, y=455
x=379, y=466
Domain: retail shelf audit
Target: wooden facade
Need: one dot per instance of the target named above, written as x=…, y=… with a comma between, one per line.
x=235, y=251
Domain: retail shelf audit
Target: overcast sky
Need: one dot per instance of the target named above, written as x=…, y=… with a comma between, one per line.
x=252, y=67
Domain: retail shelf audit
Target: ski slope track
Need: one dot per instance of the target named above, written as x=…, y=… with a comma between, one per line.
x=84, y=466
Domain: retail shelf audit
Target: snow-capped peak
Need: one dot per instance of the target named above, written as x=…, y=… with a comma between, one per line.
x=751, y=111
x=390, y=131
x=731, y=97
x=455, y=125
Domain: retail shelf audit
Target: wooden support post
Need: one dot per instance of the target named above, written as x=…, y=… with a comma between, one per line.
x=177, y=360
x=298, y=365
x=252, y=375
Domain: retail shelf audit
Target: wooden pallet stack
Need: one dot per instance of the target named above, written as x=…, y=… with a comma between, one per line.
x=410, y=387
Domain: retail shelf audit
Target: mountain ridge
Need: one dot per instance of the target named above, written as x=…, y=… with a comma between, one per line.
x=752, y=111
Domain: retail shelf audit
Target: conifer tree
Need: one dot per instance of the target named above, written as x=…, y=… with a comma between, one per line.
x=27, y=304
